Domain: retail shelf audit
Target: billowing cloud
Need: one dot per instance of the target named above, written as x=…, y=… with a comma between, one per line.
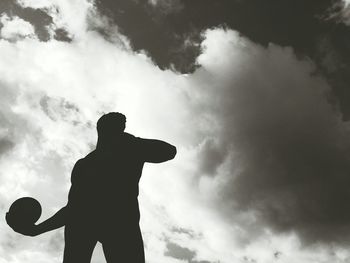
x=286, y=149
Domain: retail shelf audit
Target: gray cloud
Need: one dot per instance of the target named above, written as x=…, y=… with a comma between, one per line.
x=5, y=145
x=213, y=155
x=181, y=253
x=58, y=108
x=284, y=146
x=12, y=125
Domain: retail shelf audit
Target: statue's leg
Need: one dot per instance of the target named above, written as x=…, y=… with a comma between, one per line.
x=79, y=245
x=124, y=247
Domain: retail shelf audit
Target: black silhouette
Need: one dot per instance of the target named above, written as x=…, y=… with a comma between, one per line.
x=102, y=203
x=24, y=212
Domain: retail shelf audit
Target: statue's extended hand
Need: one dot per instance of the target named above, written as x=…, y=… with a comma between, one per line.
x=24, y=229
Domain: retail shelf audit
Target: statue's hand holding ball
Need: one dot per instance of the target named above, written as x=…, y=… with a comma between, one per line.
x=22, y=216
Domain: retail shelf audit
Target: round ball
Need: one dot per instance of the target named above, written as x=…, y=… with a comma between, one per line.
x=25, y=211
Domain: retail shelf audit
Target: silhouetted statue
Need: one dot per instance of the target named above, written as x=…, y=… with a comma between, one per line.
x=102, y=202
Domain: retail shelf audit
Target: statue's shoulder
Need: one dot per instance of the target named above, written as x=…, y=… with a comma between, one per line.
x=90, y=156
x=129, y=136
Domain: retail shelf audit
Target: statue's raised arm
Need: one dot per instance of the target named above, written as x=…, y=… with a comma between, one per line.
x=156, y=151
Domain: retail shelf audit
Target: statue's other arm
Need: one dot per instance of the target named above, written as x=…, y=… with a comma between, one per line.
x=56, y=221
x=59, y=219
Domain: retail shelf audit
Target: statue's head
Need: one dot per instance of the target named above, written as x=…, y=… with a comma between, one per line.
x=111, y=124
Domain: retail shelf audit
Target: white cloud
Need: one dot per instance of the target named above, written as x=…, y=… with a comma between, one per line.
x=347, y=2
x=15, y=28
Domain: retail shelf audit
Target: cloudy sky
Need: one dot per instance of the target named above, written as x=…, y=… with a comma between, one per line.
x=253, y=93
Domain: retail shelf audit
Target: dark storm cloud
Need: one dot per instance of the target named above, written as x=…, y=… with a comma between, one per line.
x=170, y=30
x=159, y=29
x=289, y=149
